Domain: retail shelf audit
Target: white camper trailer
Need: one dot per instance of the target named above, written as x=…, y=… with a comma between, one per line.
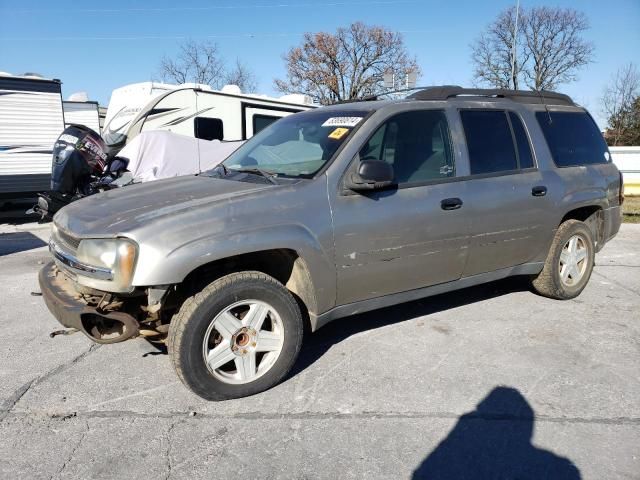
x=31, y=118
x=79, y=110
x=193, y=110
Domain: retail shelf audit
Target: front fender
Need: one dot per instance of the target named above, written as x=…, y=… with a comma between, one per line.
x=155, y=268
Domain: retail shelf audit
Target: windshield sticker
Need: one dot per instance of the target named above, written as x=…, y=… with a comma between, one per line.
x=338, y=133
x=342, y=122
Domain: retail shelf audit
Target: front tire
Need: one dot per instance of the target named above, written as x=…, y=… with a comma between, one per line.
x=569, y=263
x=239, y=336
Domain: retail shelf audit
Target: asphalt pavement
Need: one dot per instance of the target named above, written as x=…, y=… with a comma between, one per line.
x=488, y=382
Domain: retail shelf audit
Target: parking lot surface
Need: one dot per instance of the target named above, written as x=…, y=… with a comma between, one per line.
x=488, y=382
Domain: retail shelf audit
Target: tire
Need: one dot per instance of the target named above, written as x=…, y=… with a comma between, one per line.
x=550, y=281
x=230, y=304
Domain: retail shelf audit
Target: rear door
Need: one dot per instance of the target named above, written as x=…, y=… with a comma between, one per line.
x=507, y=193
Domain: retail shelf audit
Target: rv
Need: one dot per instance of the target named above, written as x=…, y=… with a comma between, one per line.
x=78, y=110
x=31, y=118
x=192, y=110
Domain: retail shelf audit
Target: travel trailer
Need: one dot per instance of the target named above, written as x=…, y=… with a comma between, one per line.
x=79, y=110
x=192, y=110
x=31, y=119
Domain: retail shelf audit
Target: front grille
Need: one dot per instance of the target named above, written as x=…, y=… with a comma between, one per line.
x=66, y=241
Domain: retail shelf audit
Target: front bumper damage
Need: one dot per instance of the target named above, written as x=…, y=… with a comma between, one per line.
x=70, y=309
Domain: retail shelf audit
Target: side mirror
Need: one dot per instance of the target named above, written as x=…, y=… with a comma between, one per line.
x=371, y=175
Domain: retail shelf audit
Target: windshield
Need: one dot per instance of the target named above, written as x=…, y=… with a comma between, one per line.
x=298, y=145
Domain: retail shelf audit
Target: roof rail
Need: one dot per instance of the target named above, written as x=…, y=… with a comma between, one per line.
x=522, y=96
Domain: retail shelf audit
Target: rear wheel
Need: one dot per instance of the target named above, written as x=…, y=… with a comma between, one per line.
x=239, y=336
x=569, y=263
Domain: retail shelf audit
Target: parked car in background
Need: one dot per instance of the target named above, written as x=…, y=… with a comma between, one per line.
x=332, y=212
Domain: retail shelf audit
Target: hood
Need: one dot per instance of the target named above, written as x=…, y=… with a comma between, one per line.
x=125, y=209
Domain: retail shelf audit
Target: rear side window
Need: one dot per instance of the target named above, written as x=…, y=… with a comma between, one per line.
x=522, y=141
x=489, y=141
x=573, y=138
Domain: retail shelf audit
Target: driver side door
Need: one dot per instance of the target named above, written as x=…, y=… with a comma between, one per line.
x=410, y=236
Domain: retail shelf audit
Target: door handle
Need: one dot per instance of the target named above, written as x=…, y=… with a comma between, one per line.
x=539, y=191
x=451, y=204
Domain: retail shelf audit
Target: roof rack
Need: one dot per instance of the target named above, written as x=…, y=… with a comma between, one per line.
x=522, y=96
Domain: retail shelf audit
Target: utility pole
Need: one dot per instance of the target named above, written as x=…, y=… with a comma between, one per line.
x=513, y=49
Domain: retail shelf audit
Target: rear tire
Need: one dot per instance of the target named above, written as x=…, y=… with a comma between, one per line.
x=239, y=336
x=569, y=263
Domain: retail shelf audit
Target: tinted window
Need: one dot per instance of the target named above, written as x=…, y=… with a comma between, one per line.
x=524, y=148
x=489, y=141
x=573, y=138
x=416, y=143
x=262, y=121
x=208, y=128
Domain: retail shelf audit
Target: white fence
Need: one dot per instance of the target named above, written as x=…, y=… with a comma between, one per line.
x=627, y=159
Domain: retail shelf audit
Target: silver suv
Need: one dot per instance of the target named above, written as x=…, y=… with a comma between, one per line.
x=332, y=212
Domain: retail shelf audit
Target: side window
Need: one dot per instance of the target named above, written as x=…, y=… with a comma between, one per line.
x=573, y=138
x=522, y=141
x=417, y=144
x=489, y=141
x=261, y=122
x=208, y=128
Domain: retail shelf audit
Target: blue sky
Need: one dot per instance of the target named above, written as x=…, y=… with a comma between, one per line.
x=96, y=47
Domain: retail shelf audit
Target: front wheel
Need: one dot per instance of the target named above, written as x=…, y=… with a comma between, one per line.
x=569, y=263
x=239, y=336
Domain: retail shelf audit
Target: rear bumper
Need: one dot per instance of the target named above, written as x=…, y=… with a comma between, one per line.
x=61, y=299
x=612, y=222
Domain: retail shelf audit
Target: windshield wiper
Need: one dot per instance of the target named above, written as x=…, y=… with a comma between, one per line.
x=259, y=171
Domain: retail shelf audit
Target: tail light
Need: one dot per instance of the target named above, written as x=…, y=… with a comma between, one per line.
x=621, y=191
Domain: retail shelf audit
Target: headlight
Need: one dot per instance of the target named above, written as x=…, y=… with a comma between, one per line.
x=118, y=255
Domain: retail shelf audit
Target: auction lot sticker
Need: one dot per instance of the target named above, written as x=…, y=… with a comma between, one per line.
x=341, y=121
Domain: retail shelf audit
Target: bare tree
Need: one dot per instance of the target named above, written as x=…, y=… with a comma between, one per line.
x=202, y=63
x=619, y=103
x=242, y=76
x=346, y=65
x=493, y=52
x=549, y=49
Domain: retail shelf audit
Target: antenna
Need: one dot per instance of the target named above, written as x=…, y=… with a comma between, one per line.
x=513, y=48
x=546, y=107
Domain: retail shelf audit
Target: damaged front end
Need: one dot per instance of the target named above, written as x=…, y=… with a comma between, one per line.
x=104, y=317
x=88, y=288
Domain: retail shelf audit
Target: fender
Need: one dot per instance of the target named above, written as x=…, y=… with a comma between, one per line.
x=172, y=268
x=583, y=197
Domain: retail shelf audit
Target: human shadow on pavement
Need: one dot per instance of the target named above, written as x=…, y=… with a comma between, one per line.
x=315, y=345
x=494, y=442
x=15, y=242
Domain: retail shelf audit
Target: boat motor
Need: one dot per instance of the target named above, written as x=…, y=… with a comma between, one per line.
x=80, y=167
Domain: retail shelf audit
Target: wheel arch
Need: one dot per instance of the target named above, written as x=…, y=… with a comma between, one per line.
x=284, y=264
x=593, y=216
